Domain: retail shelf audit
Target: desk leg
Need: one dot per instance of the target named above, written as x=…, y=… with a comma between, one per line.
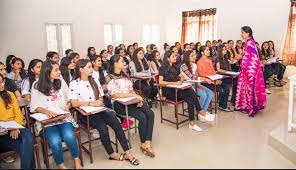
x=290, y=113
x=128, y=126
x=216, y=100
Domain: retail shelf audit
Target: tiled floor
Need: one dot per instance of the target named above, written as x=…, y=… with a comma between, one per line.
x=233, y=141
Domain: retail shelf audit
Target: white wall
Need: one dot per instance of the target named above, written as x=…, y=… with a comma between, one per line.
x=22, y=22
x=268, y=18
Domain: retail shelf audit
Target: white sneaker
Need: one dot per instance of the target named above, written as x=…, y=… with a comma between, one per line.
x=211, y=115
x=206, y=118
x=196, y=128
x=267, y=91
x=95, y=134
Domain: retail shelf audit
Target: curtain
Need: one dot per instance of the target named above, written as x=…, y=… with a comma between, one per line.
x=199, y=26
x=289, y=52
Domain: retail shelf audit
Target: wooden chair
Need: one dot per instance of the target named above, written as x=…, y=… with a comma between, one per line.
x=89, y=130
x=176, y=103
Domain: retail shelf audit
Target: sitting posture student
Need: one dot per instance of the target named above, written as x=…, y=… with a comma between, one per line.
x=9, y=84
x=18, y=72
x=205, y=68
x=9, y=59
x=119, y=86
x=266, y=65
x=223, y=65
x=130, y=51
x=67, y=69
x=233, y=57
x=68, y=52
x=32, y=76
x=135, y=45
x=53, y=56
x=192, y=46
x=121, y=52
x=122, y=46
x=110, y=51
x=278, y=69
x=166, y=47
x=49, y=95
x=154, y=62
x=18, y=140
x=139, y=67
x=75, y=57
x=179, y=53
x=169, y=74
x=105, y=61
x=85, y=83
x=189, y=72
x=91, y=52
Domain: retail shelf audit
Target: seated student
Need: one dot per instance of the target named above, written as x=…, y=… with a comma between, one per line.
x=169, y=74
x=48, y=94
x=153, y=47
x=121, y=52
x=53, y=56
x=105, y=61
x=18, y=72
x=75, y=57
x=205, y=68
x=119, y=86
x=110, y=51
x=238, y=47
x=9, y=84
x=266, y=65
x=197, y=47
x=122, y=46
x=91, y=52
x=278, y=69
x=18, y=140
x=32, y=76
x=166, y=47
x=67, y=69
x=223, y=65
x=192, y=46
x=84, y=82
x=68, y=52
x=135, y=45
x=148, y=51
x=154, y=62
x=99, y=73
x=139, y=67
x=9, y=59
x=189, y=71
x=130, y=51
x=179, y=53
x=233, y=57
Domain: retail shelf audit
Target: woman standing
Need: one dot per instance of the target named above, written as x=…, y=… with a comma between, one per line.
x=251, y=94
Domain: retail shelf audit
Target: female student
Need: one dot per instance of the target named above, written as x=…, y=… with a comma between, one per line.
x=238, y=47
x=267, y=69
x=251, y=94
x=68, y=52
x=9, y=84
x=9, y=59
x=53, y=56
x=99, y=73
x=166, y=47
x=189, y=72
x=205, y=68
x=278, y=69
x=192, y=46
x=67, y=69
x=130, y=51
x=91, y=52
x=139, y=67
x=110, y=50
x=18, y=72
x=223, y=65
x=33, y=75
x=135, y=45
x=49, y=96
x=119, y=86
x=154, y=62
x=18, y=140
x=233, y=58
x=105, y=61
x=169, y=74
x=75, y=57
x=83, y=82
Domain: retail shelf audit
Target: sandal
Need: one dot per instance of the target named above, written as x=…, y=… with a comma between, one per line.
x=134, y=161
x=148, y=151
x=121, y=157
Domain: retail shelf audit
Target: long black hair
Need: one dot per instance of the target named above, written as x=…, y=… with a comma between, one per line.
x=231, y=50
x=73, y=55
x=225, y=58
x=173, y=70
x=128, y=51
x=186, y=59
x=31, y=75
x=265, y=53
x=5, y=96
x=65, y=62
x=152, y=57
x=22, y=72
x=248, y=30
x=137, y=63
x=50, y=54
x=115, y=59
x=44, y=84
x=9, y=59
x=236, y=47
x=201, y=50
x=88, y=51
x=81, y=64
x=101, y=69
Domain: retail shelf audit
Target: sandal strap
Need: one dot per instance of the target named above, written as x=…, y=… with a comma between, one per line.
x=121, y=158
x=135, y=161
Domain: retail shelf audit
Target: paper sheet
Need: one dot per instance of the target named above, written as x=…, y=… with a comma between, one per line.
x=216, y=77
x=273, y=59
x=92, y=109
x=39, y=117
x=126, y=99
x=10, y=125
x=180, y=86
x=194, y=81
x=232, y=73
x=58, y=111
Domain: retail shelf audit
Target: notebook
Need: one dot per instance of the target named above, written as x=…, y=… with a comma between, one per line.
x=10, y=125
x=182, y=86
x=273, y=59
x=126, y=99
x=193, y=81
x=39, y=117
x=216, y=77
x=92, y=109
x=232, y=73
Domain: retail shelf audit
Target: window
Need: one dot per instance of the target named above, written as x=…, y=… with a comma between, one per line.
x=151, y=35
x=59, y=37
x=113, y=34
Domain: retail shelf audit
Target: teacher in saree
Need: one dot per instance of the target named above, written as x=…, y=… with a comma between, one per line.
x=251, y=94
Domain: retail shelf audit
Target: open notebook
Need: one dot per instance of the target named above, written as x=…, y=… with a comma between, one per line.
x=10, y=125
x=92, y=109
x=216, y=77
x=41, y=117
x=126, y=99
x=232, y=73
x=182, y=86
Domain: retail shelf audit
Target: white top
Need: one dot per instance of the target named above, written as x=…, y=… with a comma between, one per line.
x=25, y=86
x=120, y=85
x=96, y=76
x=109, y=56
x=11, y=76
x=81, y=90
x=139, y=74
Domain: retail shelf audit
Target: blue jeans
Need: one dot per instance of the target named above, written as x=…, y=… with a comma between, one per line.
x=58, y=133
x=206, y=96
x=23, y=145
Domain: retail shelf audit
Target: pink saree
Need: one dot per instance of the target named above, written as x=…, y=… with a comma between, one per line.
x=251, y=94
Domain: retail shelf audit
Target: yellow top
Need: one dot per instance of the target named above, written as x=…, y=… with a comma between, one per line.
x=13, y=113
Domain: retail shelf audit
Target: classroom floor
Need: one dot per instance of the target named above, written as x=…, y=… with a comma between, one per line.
x=233, y=141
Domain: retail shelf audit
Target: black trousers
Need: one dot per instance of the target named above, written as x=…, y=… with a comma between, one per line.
x=188, y=95
x=149, y=91
x=100, y=121
x=143, y=114
x=267, y=72
x=223, y=92
x=279, y=70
